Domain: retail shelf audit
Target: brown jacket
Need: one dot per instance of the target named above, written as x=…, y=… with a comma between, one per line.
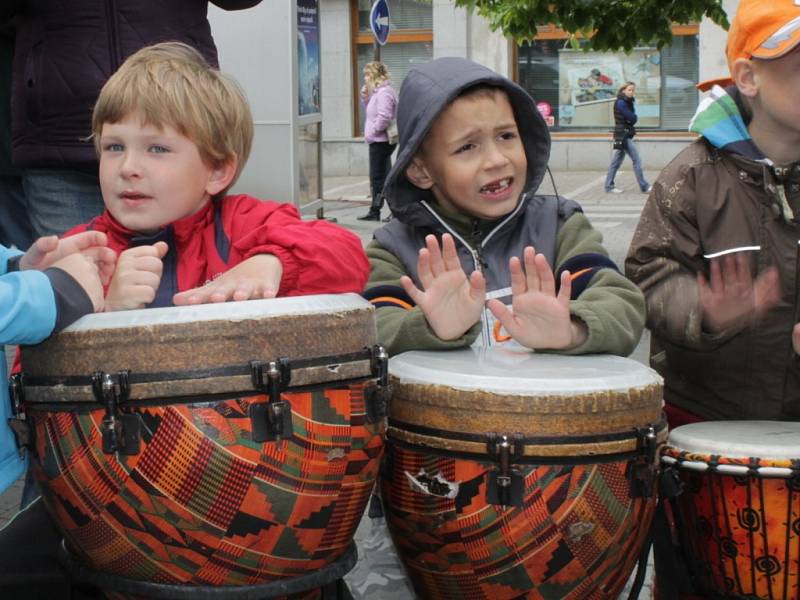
x=708, y=201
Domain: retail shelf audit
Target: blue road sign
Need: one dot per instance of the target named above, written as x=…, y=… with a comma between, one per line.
x=379, y=21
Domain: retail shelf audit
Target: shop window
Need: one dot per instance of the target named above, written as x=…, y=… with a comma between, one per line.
x=577, y=89
x=410, y=43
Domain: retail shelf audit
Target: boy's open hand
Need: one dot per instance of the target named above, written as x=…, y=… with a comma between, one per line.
x=136, y=278
x=540, y=317
x=730, y=297
x=48, y=250
x=451, y=301
x=256, y=278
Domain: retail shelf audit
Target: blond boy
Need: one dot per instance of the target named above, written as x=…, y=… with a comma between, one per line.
x=173, y=135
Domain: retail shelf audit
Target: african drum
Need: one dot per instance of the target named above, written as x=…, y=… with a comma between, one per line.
x=738, y=514
x=208, y=446
x=520, y=475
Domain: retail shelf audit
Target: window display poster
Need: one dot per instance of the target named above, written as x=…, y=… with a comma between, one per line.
x=308, y=57
x=588, y=84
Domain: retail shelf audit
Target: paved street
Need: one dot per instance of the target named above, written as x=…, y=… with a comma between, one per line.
x=377, y=575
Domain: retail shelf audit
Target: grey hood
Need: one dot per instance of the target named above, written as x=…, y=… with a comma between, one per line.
x=426, y=91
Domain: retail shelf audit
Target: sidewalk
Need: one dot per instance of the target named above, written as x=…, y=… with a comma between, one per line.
x=378, y=574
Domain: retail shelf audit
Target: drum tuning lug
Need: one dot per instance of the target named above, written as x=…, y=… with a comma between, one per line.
x=645, y=467
x=23, y=434
x=377, y=404
x=505, y=484
x=16, y=390
x=380, y=365
x=273, y=420
x=120, y=433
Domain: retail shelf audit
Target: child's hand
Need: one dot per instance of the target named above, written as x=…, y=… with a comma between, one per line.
x=451, y=302
x=255, y=278
x=731, y=297
x=46, y=251
x=85, y=271
x=540, y=317
x=137, y=277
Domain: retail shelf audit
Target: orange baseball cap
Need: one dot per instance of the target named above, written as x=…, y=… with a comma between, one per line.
x=762, y=29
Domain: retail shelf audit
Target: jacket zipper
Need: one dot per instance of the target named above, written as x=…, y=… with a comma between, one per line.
x=113, y=49
x=477, y=256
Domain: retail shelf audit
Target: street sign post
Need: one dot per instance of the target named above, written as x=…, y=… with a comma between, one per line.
x=379, y=21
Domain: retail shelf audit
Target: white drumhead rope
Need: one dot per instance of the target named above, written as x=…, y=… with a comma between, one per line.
x=226, y=311
x=518, y=372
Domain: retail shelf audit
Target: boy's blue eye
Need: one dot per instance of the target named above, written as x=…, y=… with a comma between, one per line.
x=158, y=149
x=112, y=147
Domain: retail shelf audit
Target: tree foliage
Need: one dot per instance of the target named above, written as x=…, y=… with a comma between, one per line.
x=609, y=25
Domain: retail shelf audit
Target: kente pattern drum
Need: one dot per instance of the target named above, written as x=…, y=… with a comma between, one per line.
x=512, y=474
x=739, y=511
x=217, y=445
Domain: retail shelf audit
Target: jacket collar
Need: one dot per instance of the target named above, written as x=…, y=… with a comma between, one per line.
x=181, y=230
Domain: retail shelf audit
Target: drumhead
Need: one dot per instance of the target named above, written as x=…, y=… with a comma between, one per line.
x=739, y=439
x=520, y=373
x=228, y=311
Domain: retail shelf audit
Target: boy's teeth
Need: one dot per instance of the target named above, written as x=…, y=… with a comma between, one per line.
x=494, y=187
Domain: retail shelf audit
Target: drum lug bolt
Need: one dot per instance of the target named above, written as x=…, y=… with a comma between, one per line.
x=120, y=432
x=645, y=467
x=273, y=420
x=505, y=484
x=378, y=394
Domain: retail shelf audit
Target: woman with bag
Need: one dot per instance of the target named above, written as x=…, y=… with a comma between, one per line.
x=380, y=128
x=624, y=120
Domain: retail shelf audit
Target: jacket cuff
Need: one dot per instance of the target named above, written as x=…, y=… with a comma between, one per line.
x=72, y=301
x=12, y=264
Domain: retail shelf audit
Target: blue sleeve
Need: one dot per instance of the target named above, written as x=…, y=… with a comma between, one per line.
x=627, y=113
x=27, y=304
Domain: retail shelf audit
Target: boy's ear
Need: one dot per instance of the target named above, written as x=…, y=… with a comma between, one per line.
x=418, y=174
x=221, y=176
x=745, y=76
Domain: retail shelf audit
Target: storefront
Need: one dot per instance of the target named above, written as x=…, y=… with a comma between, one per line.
x=575, y=89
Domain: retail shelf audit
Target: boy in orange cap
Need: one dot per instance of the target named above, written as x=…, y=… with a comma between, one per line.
x=716, y=250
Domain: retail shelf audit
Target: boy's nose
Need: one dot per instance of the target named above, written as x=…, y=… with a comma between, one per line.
x=495, y=157
x=129, y=166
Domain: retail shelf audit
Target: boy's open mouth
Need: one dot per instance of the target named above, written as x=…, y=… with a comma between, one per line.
x=498, y=186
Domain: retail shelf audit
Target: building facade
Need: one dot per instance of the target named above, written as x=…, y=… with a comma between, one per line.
x=575, y=90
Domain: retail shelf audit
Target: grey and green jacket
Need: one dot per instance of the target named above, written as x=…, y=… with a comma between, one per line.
x=611, y=306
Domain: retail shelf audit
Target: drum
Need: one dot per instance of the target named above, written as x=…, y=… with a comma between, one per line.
x=520, y=475
x=218, y=445
x=739, y=513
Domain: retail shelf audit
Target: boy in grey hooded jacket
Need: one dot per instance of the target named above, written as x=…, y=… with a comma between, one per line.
x=473, y=151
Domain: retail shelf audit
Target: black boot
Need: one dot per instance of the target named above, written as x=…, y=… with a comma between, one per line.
x=372, y=215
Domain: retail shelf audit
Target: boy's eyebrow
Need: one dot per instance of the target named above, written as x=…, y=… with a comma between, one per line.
x=473, y=130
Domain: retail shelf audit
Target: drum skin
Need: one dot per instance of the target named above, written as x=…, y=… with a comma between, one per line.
x=202, y=503
x=578, y=530
x=740, y=533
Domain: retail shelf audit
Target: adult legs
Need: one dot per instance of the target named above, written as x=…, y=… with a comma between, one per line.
x=633, y=152
x=58, y=200
x=380, y=161
x=15, y=228
x=616, y=161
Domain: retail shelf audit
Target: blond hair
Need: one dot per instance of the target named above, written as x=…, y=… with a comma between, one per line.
x=377, y=73
x=171, y=84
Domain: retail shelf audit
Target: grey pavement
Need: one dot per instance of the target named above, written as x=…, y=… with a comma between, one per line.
x=378, y=574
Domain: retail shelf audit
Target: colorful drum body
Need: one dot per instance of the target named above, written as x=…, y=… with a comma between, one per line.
x=214, y=445
x=520, y=475
x=739, y=513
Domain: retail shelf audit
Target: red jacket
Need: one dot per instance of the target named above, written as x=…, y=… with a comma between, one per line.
x=317, y=257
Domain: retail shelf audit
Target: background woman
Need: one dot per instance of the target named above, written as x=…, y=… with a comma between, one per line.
x=624, y=120
x=381, y=102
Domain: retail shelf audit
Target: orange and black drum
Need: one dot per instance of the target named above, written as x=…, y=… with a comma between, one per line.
x=738, y=514
x=514, y=475
x=187, y=450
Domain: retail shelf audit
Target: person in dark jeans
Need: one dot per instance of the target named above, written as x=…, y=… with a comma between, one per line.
x=381, y=107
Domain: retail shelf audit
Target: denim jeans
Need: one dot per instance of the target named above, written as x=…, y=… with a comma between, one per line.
x=58, y=200
x=616, y=161
x=15, y=228
x=380, y=161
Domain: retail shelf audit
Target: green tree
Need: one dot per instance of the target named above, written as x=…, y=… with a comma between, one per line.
x=608, y=24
